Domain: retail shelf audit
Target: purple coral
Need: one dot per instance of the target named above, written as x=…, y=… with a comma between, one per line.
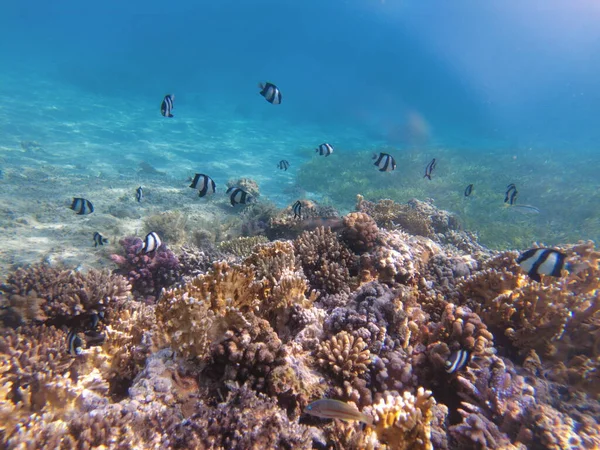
x=147, y=273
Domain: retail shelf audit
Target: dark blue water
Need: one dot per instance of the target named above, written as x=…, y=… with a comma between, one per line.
x=504, y=70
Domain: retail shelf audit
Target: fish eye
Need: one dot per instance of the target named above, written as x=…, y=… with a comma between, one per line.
x=448, y=363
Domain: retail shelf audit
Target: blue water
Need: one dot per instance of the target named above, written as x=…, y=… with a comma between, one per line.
x=506, y=89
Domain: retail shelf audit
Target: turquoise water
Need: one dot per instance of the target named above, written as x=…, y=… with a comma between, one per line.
x=491, y=90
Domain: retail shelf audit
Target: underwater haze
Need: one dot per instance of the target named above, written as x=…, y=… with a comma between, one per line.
x=300, y=224
x=498, y=92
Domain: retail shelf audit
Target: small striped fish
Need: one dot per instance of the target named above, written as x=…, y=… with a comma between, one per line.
x=457, y=361
x=327, y=408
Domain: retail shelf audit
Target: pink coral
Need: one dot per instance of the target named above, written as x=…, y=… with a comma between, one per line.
x=148, y=274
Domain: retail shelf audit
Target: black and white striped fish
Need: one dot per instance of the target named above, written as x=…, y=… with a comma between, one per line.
x=99, y=239
x=95, y=319
x=283, y=164
x=542, y=261
x=429, y=168
x=74, y=343
x=457, y=361
x=324, y=149
x=203, y=183
x=270, y=92
x=385, y=162
x=82, y=206
x=297, y=208
x=468, y=190
x=510, y=196
x=239, y=196
x=139, y=194
x=151, y=243
x=167, y=105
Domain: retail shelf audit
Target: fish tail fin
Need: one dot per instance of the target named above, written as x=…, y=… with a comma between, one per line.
x=261, y=85
x=535, y=276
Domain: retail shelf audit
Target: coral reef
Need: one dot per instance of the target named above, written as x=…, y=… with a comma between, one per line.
x=327, y=262
x=147, y=273
x=170, y=225
x=368, y=310
x=416, y=217
x=42, y=293
x=344, y=355
x=197, y=314
x=285, y=225
x=247, y=184
x=242, y=246
x=360, y=232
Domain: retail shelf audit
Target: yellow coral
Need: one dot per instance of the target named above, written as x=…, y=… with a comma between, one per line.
x=345, y=355
x=404, y=422
x=196, y=314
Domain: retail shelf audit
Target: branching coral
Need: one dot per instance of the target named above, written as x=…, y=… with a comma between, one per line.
x=360, y=231
x=242, y=246
x=42, y=383
x=244, y=421
x=248, y=354
x=44, y=293
x=284, y=282
x=195, y=261
x=131, y=337
x=406, y=422
x=148, y=274
x=344, y=355
x=199, y=312
x=555, y=318
x=327, y=262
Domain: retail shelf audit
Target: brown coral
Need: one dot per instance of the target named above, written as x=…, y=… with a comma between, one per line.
x=360, y=231
x=248, y=354
x=241, y=246
x=42, y=292
x=327, y=262
x=344, y=355
x=405, y=422
x=199, y=312
x=245, y=421
x=554, y=318
x=389, y=214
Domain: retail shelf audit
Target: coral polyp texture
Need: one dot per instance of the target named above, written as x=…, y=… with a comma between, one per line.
x=438, y=342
